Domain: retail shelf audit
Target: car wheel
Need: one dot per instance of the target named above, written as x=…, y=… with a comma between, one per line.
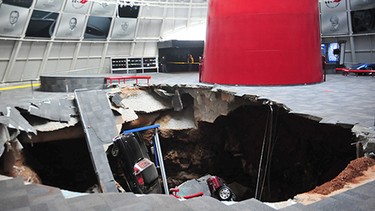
x=224, y=193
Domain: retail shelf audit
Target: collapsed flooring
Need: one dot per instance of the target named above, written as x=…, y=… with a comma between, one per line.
x=257, y=146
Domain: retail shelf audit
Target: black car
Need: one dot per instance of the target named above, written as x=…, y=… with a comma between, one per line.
x=131, y=165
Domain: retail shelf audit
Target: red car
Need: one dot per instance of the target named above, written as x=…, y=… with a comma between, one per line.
x=219, y=189
x=207, y=185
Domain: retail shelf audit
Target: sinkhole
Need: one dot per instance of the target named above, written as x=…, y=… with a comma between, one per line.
x=258, y=147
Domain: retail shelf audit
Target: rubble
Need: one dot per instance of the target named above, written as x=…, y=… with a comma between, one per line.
x=208, y=130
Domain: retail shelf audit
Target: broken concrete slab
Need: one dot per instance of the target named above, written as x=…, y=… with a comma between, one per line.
x=67, y=133
x=143, y=119
x=45, y=126
x=99, y=125
x=176, y=101
x=208, y=105
x=116, y=99
x=145, y=101
x=127, y=115
x=12, y=118
x=6, y=137
x=174, y=97
x=175, y=120
x=47, y=109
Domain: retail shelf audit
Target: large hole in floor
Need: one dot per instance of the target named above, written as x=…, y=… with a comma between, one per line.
x=260, y=150
x=64, y=164
x=302, y=153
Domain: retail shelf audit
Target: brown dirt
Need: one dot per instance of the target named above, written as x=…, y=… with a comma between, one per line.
x=348, y=175
x=129, y=91
x=358, y=171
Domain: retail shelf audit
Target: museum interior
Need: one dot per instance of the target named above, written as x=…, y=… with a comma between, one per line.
x=187, y=104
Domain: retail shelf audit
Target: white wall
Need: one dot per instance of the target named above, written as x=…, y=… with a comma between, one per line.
x=25, y=58
x=356, y=28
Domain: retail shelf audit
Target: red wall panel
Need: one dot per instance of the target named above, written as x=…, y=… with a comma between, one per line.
x=268, y=42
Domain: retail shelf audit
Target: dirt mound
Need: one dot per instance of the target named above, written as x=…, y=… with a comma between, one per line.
x=348, y=175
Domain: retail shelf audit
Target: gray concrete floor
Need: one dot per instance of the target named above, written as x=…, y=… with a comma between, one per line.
x=341, y=99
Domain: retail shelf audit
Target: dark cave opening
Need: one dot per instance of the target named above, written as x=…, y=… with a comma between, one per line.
x=63, y=164
x=301, y=154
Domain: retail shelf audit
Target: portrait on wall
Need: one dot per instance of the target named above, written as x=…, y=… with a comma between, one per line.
x=49, y=5
x=42, y=24
x=75, y=6
x=103, y=9
x=20, y=3
x=12, y=20
x=334, y=23
x=332, y=5
x=97, y=27
x=362, y=4
x=71, y=26
x=124, y=28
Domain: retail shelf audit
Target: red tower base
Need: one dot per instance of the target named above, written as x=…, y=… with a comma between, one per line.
x=268, y=42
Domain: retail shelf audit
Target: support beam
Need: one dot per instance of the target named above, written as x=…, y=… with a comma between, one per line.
x=12, y=60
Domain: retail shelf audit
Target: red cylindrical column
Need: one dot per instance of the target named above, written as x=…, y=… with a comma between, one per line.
x=269, y=42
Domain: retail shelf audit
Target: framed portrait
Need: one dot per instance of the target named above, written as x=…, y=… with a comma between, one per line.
x=124, y=28
x=334, y=23
x=71, y=26
x=75, y=6
x=103, y=9
x=13, y=20
x=332, y=6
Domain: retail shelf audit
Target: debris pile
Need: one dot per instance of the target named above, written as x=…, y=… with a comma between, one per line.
x=202, y=131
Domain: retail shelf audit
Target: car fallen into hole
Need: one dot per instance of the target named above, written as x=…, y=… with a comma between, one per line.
x=131, y=165
x=208, y=185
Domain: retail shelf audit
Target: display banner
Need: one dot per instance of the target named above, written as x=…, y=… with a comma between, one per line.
x=332, y=5
x=362, y=4
x=50, y=5
x=75, y=6
x=21, y=3
x=12, y=20
x=127, y=11
x=97, y=27
x=71, y=26
x=124, y=28
x=103, y=9
x=331, y=56
x=363, y=21
x=334, y=23
x=42, y=24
